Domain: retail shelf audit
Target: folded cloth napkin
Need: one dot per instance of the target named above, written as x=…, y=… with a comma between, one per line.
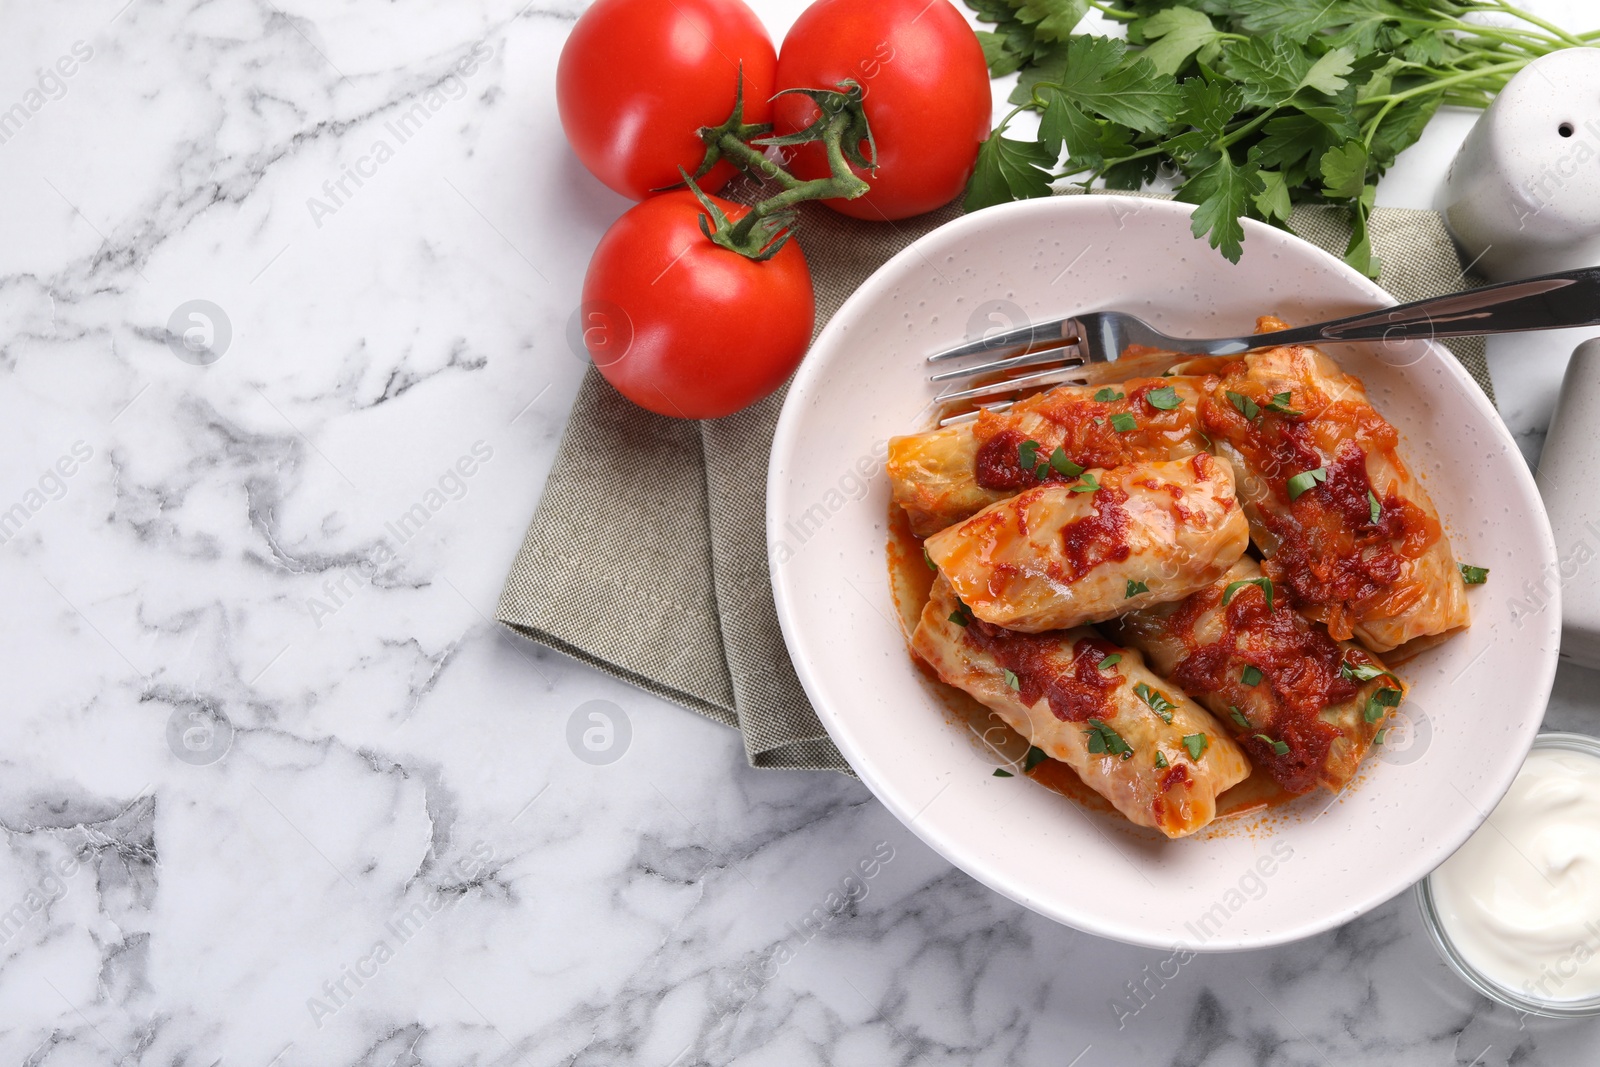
x=666, y=586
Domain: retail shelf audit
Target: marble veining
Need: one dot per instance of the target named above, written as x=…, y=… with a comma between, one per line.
x=284, y=294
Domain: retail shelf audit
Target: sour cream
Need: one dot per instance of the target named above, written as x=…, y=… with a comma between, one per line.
x=1520, y=901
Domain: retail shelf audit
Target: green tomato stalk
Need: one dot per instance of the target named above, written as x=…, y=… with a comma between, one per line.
x=841, y=127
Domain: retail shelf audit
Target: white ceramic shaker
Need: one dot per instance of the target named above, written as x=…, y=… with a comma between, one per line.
x=1522, y=197
x=1567, y=482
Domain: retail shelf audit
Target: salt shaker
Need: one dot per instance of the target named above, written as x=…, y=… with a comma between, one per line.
x=1522, y=197
x=1566, y=482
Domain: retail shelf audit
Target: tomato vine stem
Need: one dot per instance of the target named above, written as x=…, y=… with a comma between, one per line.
x=841, y=127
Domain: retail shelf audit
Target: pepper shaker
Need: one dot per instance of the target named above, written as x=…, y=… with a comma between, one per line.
x=1522, y=196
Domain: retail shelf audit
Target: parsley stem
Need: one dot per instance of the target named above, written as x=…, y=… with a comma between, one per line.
x=1506, y=34
x=1113, y=13
x=1467, y=76
x=1534, y=20
x=1247, y=129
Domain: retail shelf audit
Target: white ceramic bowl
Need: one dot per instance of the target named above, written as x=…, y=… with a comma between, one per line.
x=1476, y=701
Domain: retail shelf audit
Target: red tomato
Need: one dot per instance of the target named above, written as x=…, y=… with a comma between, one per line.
x=927, y=99
x=638, y=78
x=687, y=328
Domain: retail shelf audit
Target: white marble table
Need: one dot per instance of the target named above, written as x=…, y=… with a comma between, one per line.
x=275, y=791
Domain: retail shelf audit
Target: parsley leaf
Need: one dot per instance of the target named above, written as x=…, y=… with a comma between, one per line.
x=1250, y=675
x=1473, y=575
x=1028, y=453
x=1305, y=480
x=1013, y=681
x=1196, y=744
x=1088, y=485
x=1273, y=200
x=1107, y=662
x=1379, y=703
x=1281, y=748
x=1166, y=398
x=1280, y=404
x=1243, y=404
x=1263, y=583
x=1161, y=759
x=1375, y=509
x=1135, y=588
x=1219, y=193
x=1062, y=465
x=1000, y=773
x=1362, y=672
x=1175, y=34
x=1051, y=20
x=1008, y=169
x=1156, y=700
x=1238, y=717
x=1344, y=170
x=1035, y=756
x=1093, y=76
x=1108, y=395
x=1103, y=740
x=1122, y=422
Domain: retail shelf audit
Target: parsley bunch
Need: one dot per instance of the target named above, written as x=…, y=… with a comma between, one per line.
x=1255, y=104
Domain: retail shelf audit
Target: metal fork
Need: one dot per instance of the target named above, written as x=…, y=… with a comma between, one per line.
x=1549, y=302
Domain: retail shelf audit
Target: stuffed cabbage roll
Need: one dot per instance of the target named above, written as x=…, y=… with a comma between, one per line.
x=1303, y=706
x=1109, y=542
x=943, y=476
x=1348, y=533
x=1157, y=756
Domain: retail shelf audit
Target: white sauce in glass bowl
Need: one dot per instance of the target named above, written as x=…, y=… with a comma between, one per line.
x=1521, y=899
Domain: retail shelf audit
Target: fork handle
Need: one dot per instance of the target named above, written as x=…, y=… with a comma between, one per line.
x=1548, y=302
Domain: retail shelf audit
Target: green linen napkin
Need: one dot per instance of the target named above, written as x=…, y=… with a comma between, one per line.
x=667, y=586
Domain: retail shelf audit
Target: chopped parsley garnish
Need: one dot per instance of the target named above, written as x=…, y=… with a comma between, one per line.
x=1250, y=676
x=1157, y=701
x=1378, y=703
x=1122, y=422
x=1376, y=509
x=1013, y=681
x=932, y=566
x=1473, y=575
x=1279, y=747
x=1377, y=738
x=1245, y=406
x=962, y=615
x=1166, y=398
x=1135, y=588
x=1305, y=480
x=1034, y=757
x=1028, y=453
x=1263, y=584
x=1107, y=662
x=1280, y=404
x=999, y=773
x=1161, y=759
x=1362, y=672
x=1062, y=465
x=1088, y=485
x=1108, y=395
x=1196, y=744
x=1103, y=740
x=1238, y=717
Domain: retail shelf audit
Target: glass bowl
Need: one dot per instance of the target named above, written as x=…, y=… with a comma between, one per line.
x=1516, y=999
